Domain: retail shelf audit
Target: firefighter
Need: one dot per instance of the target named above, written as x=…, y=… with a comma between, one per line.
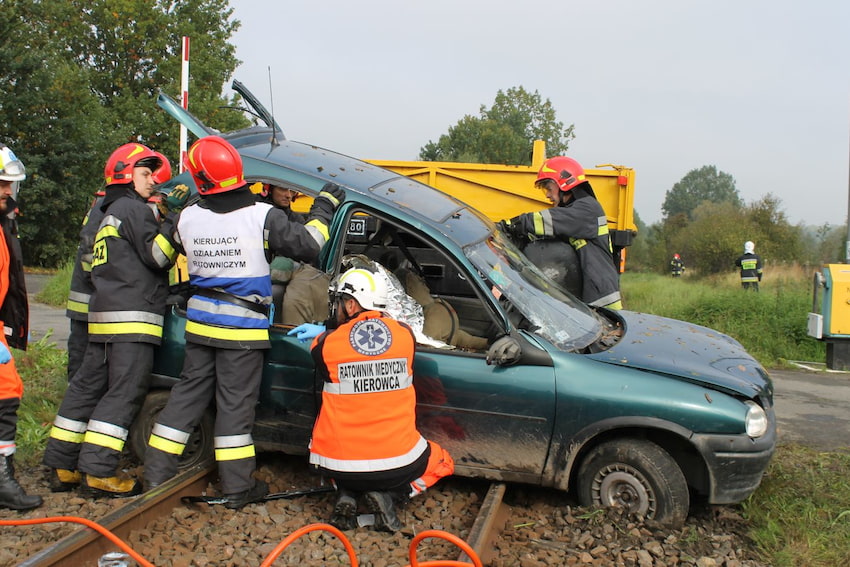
x=14, y=315
x=750, y=265
x=365, y=436
x=577, y=218
x=677, y=266
x=77, y=307
x=306, y=287
x=131, y=255
x=228, y=238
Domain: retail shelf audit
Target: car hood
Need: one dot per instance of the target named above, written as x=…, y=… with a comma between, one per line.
x=690, y=352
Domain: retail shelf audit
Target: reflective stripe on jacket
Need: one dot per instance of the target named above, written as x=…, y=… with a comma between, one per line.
x=131, y=257
x=79, y=295
x=229, y=253
x=367, y=422
x=750, y=266
x=582, y=223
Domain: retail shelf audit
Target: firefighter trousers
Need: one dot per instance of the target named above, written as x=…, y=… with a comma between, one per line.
x=78, y=341
x=99, y=406
x=233, y=377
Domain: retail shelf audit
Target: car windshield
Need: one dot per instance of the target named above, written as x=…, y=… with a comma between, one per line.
x=545, y=308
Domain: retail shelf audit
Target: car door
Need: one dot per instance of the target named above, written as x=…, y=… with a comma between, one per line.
x=495, y=422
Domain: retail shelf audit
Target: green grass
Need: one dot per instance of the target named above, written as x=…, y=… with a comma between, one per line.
x=55, y=292
x=800, y=515
x=770, y=324
x=43, y=368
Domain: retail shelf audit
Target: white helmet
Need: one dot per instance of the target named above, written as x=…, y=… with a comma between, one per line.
x=749, y=247
x=370, y=289
x=11, y=168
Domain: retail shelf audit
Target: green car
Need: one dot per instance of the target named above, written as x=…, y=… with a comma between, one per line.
x=621, y=408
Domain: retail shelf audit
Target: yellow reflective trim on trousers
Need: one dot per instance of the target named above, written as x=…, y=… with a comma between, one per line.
x=77, y=306
x=125, y=329
x=102, y=440
x=224, y=334
x=166, y=446
x=321, y=227
x=65, y=435
x=235, y=453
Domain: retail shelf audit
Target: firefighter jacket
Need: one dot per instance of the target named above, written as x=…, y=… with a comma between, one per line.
x=750, y=266
x=14, y=306
x=583, y=224
x=367, y=422
x=677, y=266
x=81, y=287
x=229, y=240
x=130, y=260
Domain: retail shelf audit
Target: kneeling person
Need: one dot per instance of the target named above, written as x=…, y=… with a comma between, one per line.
x=365, y=436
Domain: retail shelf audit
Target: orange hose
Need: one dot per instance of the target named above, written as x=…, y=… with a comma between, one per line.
x=451, y=538
x=88, y=523
x=305, y=530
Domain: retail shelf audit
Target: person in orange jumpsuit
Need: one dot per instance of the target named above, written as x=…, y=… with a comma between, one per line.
x=14, y=315
x=365, y=436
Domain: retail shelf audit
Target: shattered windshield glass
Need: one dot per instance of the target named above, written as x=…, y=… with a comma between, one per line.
x=532, y=300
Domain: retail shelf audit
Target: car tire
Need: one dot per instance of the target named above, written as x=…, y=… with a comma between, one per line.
x=200, y=445
x=637, y=475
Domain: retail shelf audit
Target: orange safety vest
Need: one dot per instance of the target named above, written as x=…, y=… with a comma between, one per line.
x=367, y=422
x=11, y=385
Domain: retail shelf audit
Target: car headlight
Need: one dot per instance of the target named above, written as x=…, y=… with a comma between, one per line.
x=756, y=420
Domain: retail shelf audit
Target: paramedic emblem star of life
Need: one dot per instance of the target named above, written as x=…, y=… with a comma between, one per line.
x=370, y=337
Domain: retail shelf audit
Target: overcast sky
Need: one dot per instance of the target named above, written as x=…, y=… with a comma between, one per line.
x=758, y=88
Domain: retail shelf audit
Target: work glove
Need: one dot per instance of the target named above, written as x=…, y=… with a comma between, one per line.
x=306, y=331
x=512, y=228
x=177, y=198
x=326, y=202
x=5, y=355
x=504, y=351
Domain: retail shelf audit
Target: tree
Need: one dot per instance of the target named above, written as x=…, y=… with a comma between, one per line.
x=81, y=78
x=504, y=133
x=698, y=186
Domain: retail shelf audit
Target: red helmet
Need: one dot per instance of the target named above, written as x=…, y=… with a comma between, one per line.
x=163, y=172
x=676, y=256
x=119, y=166
x=564, y=171
x=215, y=166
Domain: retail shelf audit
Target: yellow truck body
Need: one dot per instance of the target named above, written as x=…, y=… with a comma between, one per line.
x=504, y=191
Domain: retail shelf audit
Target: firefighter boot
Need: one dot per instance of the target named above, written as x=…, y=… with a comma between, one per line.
x=381, y=505
x=11, y=494
x=344, y=516
x=253, y=494
x=109, y=487
x=64, y=480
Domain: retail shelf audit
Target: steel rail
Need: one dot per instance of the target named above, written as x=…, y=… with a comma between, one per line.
x=86, y=546
x=488, y=524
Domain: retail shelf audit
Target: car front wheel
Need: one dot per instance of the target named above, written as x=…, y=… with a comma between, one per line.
x=636, y=475
x=200, y=445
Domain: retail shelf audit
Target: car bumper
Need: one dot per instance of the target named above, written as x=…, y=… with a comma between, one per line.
x=736, y=463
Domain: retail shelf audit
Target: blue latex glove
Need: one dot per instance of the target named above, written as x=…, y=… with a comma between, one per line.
x=306, y=331
x=5, y=355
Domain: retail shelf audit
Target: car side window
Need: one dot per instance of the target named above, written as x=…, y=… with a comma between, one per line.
x=452, y=311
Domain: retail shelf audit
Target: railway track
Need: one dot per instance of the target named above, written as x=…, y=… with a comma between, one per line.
x=85, y=547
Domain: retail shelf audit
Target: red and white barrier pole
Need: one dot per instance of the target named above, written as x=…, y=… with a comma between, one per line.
x=184, y=100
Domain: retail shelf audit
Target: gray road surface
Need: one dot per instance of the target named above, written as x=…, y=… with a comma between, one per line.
x=812, y=408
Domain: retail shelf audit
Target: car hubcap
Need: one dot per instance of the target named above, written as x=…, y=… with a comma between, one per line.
x=625, y=487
